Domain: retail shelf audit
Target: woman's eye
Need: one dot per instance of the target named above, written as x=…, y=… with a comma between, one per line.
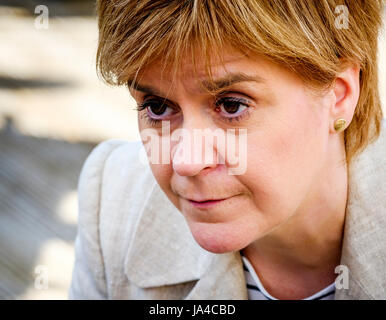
x=156, y=109
x=231, y=107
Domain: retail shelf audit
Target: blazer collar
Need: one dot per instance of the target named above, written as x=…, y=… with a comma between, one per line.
x=162, y=250
x=364, y=241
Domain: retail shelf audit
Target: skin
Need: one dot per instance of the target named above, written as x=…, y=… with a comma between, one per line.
x=286, y=212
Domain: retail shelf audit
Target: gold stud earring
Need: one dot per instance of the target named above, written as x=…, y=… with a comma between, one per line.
x=339, y=125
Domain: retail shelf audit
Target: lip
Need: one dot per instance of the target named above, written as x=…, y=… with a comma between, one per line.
x=206, y=203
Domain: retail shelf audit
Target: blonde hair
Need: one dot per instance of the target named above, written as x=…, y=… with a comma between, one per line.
x=301, y=35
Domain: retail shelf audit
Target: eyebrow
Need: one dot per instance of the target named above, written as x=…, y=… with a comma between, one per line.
x=213, y=85
x=230, y=79
x=131, y=84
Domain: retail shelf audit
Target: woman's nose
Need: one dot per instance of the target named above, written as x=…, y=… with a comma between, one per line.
x=192, y=156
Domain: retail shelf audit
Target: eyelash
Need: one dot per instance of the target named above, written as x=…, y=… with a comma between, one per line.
x=153, y=122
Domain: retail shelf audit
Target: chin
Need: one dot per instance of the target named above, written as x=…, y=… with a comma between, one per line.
x=219, y=237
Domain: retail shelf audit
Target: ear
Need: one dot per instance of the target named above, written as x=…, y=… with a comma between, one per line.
x=346, y=94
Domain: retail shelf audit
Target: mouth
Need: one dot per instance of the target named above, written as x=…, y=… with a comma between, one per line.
x=206, y=203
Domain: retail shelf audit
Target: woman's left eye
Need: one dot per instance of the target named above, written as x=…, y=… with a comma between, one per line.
x=231, y=107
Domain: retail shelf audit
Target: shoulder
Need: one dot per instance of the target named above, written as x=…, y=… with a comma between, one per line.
x=374, y=155
x=89, y=273
x=109, y=164
x=364, y=234
x=125, y=150
x=367, y=176
x=113, y=187
x=115, y=176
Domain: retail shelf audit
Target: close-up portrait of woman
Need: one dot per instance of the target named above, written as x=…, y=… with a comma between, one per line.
x=261, y=170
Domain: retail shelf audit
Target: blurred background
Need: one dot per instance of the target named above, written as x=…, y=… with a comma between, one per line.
x=53, y=111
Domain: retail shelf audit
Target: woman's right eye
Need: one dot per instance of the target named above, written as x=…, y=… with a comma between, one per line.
x=155, y=109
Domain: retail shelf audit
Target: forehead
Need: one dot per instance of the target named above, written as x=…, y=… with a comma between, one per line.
x=213, y=75
x=196, y=64
x=230, y=66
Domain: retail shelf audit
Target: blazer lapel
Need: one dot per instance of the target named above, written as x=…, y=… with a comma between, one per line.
x=223, y=280
x=364, y=243
x=162, y=250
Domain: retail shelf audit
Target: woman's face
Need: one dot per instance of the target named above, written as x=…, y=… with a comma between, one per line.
x=287, y=130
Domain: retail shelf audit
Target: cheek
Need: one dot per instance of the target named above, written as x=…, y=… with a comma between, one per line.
x=153, y=146
x=163, y=174
x=284, y=158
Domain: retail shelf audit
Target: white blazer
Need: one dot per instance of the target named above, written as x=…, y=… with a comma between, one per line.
x=132, y=243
